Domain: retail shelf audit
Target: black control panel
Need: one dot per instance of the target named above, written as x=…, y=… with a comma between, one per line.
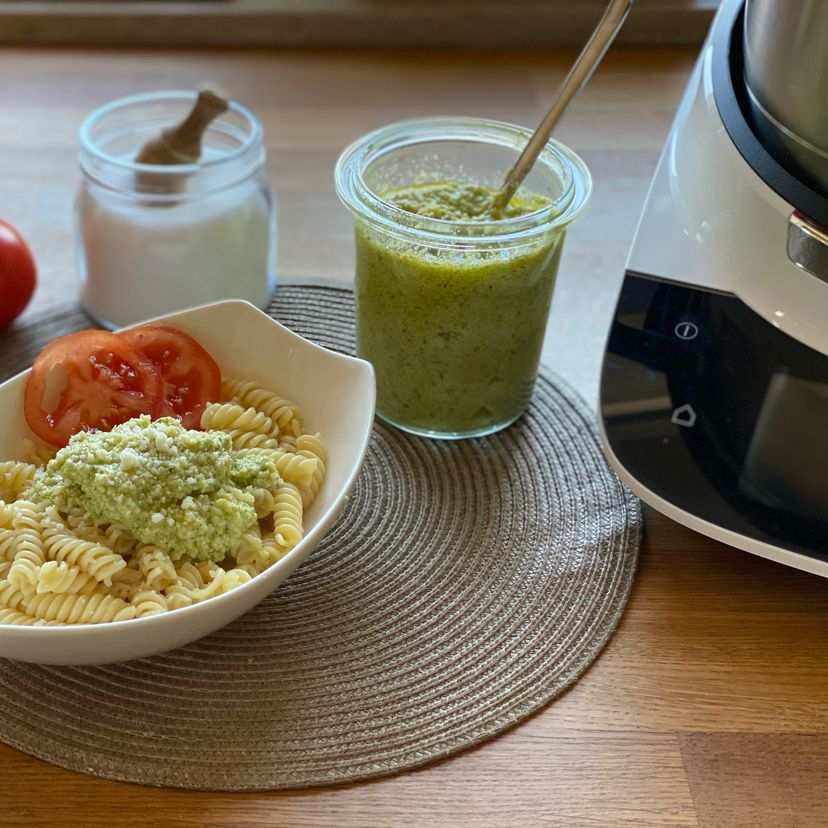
x=717, y=411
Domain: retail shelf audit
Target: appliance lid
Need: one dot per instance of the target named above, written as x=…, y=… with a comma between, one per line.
x=737, y=114
x=786, y=70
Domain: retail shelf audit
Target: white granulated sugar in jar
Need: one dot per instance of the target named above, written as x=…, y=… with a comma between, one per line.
x=148, y=260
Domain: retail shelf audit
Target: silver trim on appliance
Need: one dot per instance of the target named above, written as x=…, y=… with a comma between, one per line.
x=808, y=246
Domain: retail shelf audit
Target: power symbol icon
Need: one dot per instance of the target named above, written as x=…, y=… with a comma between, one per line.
x=686, y=330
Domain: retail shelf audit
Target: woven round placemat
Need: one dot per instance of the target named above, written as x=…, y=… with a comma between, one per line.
x=465, y=586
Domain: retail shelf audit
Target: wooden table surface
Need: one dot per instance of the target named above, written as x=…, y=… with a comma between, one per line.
x=709, y=706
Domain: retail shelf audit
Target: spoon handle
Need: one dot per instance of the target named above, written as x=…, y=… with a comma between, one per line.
x=605, y=32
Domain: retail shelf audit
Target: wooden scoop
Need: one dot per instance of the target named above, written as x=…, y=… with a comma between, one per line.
x=179, y=144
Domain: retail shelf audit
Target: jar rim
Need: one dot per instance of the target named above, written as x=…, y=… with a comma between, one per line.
x=89, y=146
x=562, y=162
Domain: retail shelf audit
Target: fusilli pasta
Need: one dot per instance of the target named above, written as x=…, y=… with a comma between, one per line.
x=11, y=597
x=97, y=608
x=63, y=577
x=20, y=619
x=117, y=538
x=249, y=548
x=247, y=427
x=310, y=446
x=156, y=567
x=6, y=514
x=149, y=602
x=263, y=502
x=29, y=553
x=287, y=516
x=271, y=551
x=15, y=478
x=99, y=561
x=8, y=544
x=188, y=575
x=284, y=414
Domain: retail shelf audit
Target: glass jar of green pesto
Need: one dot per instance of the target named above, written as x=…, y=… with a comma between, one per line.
x=452, y=301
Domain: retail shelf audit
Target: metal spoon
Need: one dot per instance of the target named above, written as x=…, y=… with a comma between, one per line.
x=579, y=74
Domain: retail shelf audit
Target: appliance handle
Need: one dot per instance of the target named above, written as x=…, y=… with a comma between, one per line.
x=808, y=245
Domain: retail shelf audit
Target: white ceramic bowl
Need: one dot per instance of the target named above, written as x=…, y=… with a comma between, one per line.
x=336, y=395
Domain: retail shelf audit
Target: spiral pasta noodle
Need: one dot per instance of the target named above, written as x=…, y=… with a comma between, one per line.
x=64, y=578
x=311, y=447
x=271, y=551
x=99, y=561
x=249, y=548
x=11, y=597
x=287, y=516
x=6, y=514
x=8, y=544
x=29, y=552
x=15, y=478
x=20, y=619
x=234, y=419
x=156, y=567
x=149, y=602
x=284, y=414
x=188, y=575
x=117, y=538
x=212, y=587
x=250, y=439
x=287, y=443
x=234, y=578
x=97, y=608
x=178, y=600
x=263, y=502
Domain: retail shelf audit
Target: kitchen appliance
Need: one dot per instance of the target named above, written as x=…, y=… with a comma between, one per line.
x=714, y=388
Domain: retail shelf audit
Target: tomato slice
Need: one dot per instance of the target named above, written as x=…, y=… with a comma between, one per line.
x=88, y=380
x=190, y=376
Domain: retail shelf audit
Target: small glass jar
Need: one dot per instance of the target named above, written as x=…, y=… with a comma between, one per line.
x=152, y=239
x=452, y=314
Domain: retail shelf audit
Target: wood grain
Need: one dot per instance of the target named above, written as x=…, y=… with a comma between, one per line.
x=708, y=706
x=770, y=779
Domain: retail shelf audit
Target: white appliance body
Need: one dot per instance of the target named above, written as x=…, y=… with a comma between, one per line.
x=715, y=381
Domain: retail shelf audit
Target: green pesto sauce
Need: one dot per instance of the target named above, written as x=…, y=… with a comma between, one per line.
x=458, y=201
x=455, y=336
x=186, y=492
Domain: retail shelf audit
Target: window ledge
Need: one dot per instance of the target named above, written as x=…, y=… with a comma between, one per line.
x=403, y=23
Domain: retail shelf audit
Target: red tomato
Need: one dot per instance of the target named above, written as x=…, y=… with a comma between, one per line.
x=17, y=275
x=189, y=374
x=88, y=380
